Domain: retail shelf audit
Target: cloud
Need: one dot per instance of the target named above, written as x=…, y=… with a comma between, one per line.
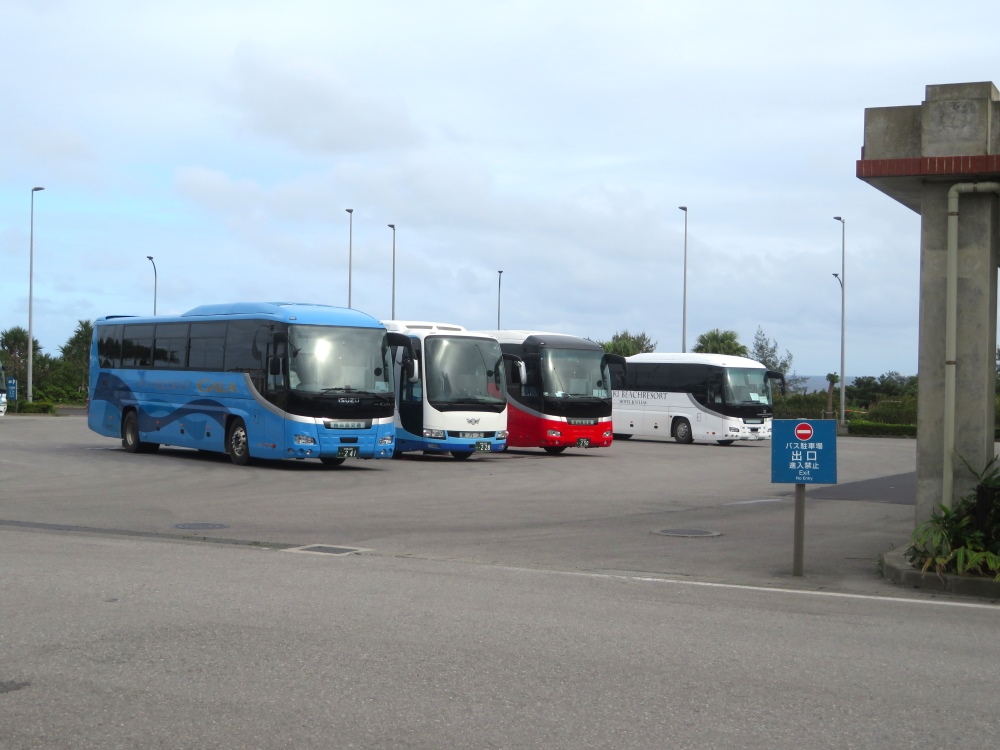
x=305, y=104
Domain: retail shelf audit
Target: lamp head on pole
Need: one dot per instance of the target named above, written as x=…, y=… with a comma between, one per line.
x=392, y=227
x=349, y=210
x=36, y=189
x=683, y=208
x=838, y=218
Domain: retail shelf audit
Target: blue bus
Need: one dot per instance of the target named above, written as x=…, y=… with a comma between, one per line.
x=268, y=380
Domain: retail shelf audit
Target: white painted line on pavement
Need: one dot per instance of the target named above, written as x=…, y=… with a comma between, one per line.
x=777, y=590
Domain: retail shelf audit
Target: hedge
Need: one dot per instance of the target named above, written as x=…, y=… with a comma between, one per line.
x=877, y=429
x=31, y=407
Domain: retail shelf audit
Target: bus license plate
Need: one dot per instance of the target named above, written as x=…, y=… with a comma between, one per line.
x=483, y=446
x=583, y=443
x=347, y=451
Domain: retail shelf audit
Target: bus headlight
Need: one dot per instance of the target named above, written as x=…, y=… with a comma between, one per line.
x=501, y=434
x=436, y=434
x=304, y=440
x=553, y=433
x=385, y=440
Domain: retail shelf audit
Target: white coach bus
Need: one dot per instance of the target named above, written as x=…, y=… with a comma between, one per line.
x=705, y=397
x=454, y=401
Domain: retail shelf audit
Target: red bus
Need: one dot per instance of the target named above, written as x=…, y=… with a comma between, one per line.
x=565, y=400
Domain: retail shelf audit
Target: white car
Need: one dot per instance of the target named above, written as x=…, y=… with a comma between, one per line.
x=3, y=403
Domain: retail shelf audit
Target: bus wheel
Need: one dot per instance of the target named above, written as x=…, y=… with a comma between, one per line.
x=620, y=436
x=554, y=450
x=236, y=443
x=332, y=460
x=726, y=442
x=130, y=436
x=682, y=431
x=461, y=455
x=130, y=433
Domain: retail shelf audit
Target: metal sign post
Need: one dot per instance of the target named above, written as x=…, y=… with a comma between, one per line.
x=803, y=452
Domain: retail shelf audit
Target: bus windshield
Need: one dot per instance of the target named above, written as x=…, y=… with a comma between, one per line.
x=463, y=370
x=575, y=373
x=323, y=359
x=747, y=386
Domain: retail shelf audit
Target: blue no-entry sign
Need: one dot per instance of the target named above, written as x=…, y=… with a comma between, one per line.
x=804, y=451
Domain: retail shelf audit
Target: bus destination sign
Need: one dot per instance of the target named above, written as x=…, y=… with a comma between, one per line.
x=803, y=451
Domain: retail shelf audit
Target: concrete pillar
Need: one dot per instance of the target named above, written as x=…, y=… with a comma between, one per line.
x=914, y=155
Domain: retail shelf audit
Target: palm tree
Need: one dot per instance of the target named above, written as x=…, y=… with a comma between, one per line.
x=832, y=379
x=718, y=341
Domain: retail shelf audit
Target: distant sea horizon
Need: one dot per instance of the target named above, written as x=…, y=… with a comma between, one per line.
x=818, y=383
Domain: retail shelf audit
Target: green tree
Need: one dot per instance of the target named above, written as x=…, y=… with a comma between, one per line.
x=14, y=350
x=765, y=351
x=76, y=357
x=718, y=341
x=627, y=344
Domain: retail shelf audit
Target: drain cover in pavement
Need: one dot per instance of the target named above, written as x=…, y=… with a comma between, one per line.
x=687, y=532
x=200, y=526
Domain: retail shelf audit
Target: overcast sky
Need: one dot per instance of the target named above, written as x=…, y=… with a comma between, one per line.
x=551, y=140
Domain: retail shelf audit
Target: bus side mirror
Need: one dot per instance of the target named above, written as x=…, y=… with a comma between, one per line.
x=779, y=376
x=412, y=373
x=274, y=366
x=520, y=372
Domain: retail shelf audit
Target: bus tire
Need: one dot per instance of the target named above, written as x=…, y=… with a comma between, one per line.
x=461, y=455
x=237, y=445
x=621, y=436
x=130, y=435
x=130, y=432
x=331, y=460
x=682, y=431
x=554, y=450
x=725, y=442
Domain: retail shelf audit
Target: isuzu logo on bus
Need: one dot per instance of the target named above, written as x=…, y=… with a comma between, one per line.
x=349, y=400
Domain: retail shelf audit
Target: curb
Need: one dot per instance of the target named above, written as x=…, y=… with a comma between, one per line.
x=896, y=568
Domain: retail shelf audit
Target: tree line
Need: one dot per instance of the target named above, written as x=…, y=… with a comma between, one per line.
x=61, y=379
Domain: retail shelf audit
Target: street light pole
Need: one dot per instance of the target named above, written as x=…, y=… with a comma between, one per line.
x=150, y=259
x=684, y=317
x=499, y=279
x=31, y=286
x=393, y=228
x=843, y=312
x=350, y=250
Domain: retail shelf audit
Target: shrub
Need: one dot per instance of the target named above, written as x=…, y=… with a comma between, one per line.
x=878, y=429
x=902, y=410
x=952, y=541
x=800, y=406
x=33, y=407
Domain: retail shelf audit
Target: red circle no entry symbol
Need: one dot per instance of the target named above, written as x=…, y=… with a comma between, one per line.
x=803, y=431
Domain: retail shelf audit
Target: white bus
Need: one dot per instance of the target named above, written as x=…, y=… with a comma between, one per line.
x=705, y=397
x=455, y=401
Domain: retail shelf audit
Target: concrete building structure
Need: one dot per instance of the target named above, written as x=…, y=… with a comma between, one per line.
x=941, y=159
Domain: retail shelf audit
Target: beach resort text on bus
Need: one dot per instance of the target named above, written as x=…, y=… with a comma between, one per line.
x=565, y=399
x=254, y=380
x=455, y=400
x=707, y=397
